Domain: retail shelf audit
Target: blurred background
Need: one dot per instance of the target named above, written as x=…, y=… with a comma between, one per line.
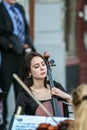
x=60, y=28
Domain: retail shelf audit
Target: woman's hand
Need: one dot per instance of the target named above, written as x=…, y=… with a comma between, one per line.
x=60, y=93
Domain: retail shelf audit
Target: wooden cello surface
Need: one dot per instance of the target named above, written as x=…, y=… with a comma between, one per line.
x=48, y=105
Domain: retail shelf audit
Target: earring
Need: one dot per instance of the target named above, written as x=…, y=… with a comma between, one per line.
x=29, y=76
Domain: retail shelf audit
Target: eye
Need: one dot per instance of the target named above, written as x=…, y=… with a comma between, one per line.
x=43, y=64
x=36, y=66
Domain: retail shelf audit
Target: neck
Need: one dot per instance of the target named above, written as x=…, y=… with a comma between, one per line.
x=38, y=84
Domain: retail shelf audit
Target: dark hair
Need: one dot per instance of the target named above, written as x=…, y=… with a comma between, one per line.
x=25, y=69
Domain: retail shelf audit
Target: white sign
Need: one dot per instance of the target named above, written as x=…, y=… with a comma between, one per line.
x=23, y=122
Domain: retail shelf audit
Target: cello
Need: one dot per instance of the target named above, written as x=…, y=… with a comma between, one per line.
x=54, y=106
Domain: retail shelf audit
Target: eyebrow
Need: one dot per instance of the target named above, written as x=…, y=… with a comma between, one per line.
x=38, y=63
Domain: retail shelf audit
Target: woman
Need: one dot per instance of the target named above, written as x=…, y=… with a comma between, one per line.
x=80, y=107
x=34, y=75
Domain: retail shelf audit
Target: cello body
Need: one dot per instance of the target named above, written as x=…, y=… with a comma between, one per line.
x=48, y=105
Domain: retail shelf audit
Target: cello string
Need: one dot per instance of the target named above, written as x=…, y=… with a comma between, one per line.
x=29, y=92
x=52, y=119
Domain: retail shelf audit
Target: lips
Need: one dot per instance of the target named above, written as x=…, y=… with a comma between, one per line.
x=43, y=73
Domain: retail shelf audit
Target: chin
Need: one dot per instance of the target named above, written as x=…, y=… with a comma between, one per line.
x=44, y=76
x=41, y=77
x=13, y=2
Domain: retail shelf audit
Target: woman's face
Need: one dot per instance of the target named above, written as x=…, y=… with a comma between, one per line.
x=38, y=68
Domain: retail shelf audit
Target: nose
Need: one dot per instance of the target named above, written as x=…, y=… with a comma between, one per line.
x=41, y=67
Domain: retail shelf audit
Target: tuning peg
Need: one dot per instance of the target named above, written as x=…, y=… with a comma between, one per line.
x=52, y=62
